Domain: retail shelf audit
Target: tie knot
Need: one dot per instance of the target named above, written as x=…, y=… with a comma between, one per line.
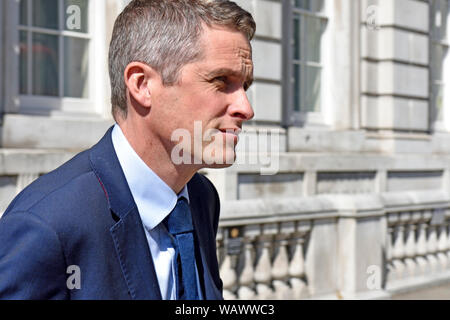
x=180, y=219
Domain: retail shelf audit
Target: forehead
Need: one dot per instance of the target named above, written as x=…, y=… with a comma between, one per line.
x=222, y=47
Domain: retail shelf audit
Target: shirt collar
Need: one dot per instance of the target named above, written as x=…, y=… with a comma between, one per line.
x=153, y=197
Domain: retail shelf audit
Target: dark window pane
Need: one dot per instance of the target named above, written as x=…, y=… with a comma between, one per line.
x=310, y=5
x=23, y=63
x=45, y=65
x=296, y=40
x=296, y=87
x=23, y=12
x=302, y=4
x=76, y=15
x=76, y=67
x=45, y=14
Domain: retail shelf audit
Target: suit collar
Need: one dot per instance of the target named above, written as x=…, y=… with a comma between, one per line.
x=106, y=166
x=128, y=233
x=153, y=197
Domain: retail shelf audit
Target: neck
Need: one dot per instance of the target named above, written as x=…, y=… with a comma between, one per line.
x=156, y=156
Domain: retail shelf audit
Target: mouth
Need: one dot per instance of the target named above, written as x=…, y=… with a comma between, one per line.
x=233, y=132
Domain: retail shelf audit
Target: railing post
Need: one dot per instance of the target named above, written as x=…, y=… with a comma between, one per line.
x=297, y=268
x=410, y=243
x=447, y=228
x=432, y=249
x=442, y=247
x=391, y=220
x=398, y=249
x=280, y=269
x=246, y=284
x=263, y=269
x=421, y=246
x=228, y=267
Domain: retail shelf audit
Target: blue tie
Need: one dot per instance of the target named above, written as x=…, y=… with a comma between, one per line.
x=179, y=225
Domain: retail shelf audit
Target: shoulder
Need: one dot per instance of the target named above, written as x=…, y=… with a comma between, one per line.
x=202, y=187
x=60, y=193
x=200, y=184
x=36, y=228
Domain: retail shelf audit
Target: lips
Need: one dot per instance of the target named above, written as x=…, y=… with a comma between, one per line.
x=235, y=131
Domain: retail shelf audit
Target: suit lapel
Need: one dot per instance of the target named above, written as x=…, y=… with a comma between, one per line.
x=134, y=256
x=128, y=233
x=210, y=290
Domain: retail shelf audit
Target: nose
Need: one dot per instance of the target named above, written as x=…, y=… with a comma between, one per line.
x=240, y=106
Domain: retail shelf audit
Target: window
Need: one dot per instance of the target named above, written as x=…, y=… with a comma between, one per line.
x=53, y=61
x=306, y=28
x=439, y=46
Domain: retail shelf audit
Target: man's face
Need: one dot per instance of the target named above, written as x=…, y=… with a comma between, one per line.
x=209, y=101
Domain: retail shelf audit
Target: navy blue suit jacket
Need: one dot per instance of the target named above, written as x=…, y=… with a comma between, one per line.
x=83, y=214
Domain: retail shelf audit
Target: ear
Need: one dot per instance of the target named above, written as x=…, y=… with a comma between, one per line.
x=138, y=77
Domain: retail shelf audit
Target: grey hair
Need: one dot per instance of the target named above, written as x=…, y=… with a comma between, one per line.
x=164, y=34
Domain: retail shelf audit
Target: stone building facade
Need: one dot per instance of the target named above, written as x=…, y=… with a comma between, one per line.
x=342, y=185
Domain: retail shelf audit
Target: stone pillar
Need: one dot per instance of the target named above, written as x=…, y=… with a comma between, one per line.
x=321, y=257
x=361, y=239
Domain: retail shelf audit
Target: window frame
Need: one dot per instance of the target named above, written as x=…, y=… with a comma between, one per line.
x=45, y=105
x=292, y=117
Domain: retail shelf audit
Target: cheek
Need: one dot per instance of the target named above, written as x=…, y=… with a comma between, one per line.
x=203, y=108
x=172, y=109
x=214, y=105
x=183, y=109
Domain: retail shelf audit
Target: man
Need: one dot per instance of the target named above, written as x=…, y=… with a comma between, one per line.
x=123, y=220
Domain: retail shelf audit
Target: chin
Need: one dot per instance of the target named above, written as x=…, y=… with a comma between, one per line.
x=219, y=166
x=224, y=161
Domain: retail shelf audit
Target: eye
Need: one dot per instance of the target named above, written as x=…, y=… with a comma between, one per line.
x=222, y=79
x=221, y=82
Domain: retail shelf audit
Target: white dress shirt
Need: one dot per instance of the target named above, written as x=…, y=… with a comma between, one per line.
x=154, y=200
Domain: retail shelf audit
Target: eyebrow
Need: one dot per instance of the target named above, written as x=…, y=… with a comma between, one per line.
x=229, y=72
